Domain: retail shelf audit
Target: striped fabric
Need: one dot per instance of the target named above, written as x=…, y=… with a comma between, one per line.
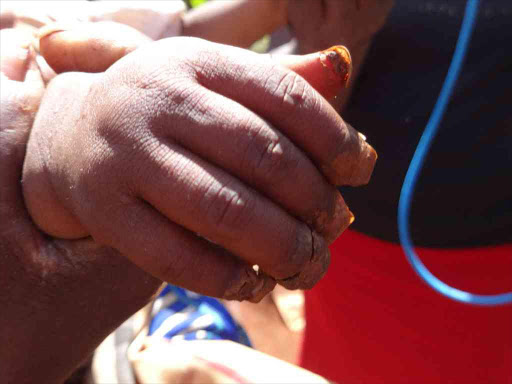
x=181, y=314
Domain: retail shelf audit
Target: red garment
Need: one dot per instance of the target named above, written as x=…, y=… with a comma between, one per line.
x=373, y=320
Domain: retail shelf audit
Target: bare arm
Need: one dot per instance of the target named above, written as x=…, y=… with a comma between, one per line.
x=235, y=22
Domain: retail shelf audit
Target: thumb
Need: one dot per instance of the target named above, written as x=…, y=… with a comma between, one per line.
x=87, y=47
x=94, y=47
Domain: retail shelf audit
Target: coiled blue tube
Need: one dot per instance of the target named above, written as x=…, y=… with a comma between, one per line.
x=416, y=164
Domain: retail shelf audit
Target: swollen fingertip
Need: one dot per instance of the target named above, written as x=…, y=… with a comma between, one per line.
x=339, y=62
x=258, y=293
x=314, y=270
x=327, y=71
x=249, y=285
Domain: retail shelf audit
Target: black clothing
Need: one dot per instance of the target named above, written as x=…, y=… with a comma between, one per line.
x=464, y=193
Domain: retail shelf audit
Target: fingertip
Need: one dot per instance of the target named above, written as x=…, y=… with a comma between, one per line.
x=49, y=43
x=249, y=285
x=327, y=71
x=340, y=220
x=353, y=161
x=314, y=270
x=368, y=160
x=268, y=286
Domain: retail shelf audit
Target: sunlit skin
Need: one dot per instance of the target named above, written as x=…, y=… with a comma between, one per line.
x=54, y=286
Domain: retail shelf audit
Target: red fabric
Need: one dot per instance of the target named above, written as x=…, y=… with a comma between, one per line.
x=372, y=320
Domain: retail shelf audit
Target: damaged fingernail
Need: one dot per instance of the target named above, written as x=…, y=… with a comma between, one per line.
x=338, y=60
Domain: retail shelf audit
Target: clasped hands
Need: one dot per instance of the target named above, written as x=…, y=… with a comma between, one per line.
x=182, y=160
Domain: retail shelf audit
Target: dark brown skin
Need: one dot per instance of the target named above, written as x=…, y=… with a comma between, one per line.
x=252, y=223
x=54, y=293
x=317, y=69
x=125, y=202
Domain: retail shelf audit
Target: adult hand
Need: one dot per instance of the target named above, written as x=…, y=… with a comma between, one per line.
x=59, y=298
x=353, y=23
x=196, y=161
x=322, y=23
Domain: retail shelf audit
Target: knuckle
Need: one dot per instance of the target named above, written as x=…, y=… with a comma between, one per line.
x=293, y=92
x=270, y=160
x=230, y=210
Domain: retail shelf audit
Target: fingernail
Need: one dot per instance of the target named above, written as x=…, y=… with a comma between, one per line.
x=52, y=28
x=339, y=61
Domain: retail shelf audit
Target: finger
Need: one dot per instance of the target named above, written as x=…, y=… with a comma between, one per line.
x=87, y=47
x=102, y=44
x=249, y=148
x=327, y=71
x=290, y=104
x=208, y=201
x=173, y=254
x=285, y=100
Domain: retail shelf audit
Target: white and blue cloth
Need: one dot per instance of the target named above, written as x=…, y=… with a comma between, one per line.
x=181, y=314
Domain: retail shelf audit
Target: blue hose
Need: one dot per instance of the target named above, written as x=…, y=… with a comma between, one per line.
x=416, y=164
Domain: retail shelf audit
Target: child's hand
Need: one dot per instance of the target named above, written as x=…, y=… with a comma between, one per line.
x=184, y=138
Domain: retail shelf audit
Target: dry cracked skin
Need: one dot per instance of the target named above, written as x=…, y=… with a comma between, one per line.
x=250, y=285
x=314, y=270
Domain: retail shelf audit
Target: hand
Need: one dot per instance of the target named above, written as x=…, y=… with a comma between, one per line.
x=353, y=23
x=59, y=298
x=322, y=23
x=156, y=19
x=190, y=159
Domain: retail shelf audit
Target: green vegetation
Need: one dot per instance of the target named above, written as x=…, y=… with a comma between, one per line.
x=196, y=3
